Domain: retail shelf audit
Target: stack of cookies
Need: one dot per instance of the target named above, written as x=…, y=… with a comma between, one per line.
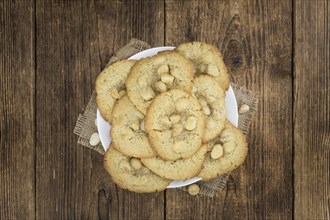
x=168, y=118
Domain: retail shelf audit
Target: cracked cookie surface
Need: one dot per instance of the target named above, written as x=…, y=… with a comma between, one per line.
x=175, y=124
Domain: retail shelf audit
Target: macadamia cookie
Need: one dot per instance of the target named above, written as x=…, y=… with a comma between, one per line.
x=207, y=60
x=177, y=170
x=175, y=123
x=129, y=173
x=212, y=99
x=110, y=86
x=160, y=73
x=225, y=153
x=127, y=130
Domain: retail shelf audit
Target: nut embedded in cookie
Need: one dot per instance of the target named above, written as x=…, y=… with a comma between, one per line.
x=217, y=151
x=190, y=123
x=167, y=79
x=228, y=151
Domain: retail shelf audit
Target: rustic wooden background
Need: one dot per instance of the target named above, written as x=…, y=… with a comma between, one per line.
x=52, y=51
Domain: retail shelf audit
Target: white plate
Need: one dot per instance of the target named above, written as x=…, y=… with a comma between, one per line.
x=104, y=127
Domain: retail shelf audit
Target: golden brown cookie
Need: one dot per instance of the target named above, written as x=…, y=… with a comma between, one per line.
x=212, y=99
x=177, y=170
x=225, y=153
x=160, y=73
x=110, y=86
x=127, y=130
x=129, y=173
x=208, y=60
x=175, y=123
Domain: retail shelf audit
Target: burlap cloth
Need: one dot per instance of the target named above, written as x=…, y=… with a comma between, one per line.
x=86, y=126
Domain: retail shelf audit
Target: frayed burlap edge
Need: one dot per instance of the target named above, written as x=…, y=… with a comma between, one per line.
x=86, y=125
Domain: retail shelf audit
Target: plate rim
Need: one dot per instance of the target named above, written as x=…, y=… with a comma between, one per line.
x=153, y=51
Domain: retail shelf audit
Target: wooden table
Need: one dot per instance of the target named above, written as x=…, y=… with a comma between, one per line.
x=52, y=51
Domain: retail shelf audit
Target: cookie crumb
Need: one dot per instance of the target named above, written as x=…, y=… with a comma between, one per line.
x=193, y=189
x=243, y=109
x=95, y=139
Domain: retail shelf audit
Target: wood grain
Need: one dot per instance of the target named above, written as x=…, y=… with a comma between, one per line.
x=75, y=39
x=312, y=110
x=52, y=51
x=133, y=19
x=188, y=21
x=17, y=183
x=255, y=38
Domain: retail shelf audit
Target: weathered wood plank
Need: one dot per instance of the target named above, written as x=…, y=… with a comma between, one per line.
x=312, y=110
x=17, y=200
x=255, y=38
x=75, y=41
